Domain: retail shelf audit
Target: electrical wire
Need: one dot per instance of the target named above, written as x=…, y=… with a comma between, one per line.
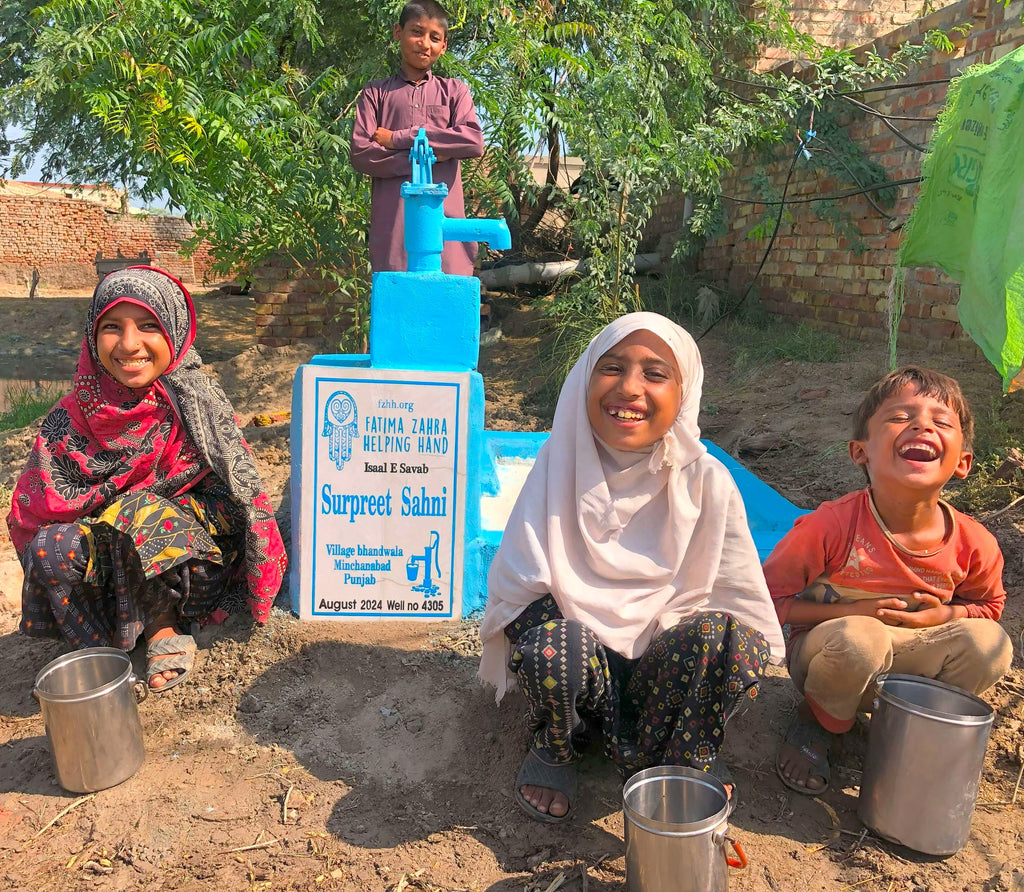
x=864, y=107
x=882, y=87
x=800, y=150
x=867, y=109
x=887, y=122
x=833, y=197
x=853, y=176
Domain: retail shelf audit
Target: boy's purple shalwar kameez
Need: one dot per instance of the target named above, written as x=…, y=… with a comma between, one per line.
x=444, y=107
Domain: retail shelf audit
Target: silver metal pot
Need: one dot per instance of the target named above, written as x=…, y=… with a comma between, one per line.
x=89, y=703
x=926, y=750
x=676, y=832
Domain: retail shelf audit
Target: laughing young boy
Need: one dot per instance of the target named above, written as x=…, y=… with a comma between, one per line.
x=388, y=117
x=889, y=578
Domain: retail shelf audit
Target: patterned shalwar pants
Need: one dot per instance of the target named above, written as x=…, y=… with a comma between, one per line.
x=58, y=602
x=668, y=707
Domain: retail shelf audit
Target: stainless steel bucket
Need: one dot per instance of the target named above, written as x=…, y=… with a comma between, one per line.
x=89, y=703
x=926, y=749
x=675, y=826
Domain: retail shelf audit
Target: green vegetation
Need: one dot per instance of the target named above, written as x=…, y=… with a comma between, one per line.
x=759, y=344
x=27, y=404
x=242, y=110
x=997, y=476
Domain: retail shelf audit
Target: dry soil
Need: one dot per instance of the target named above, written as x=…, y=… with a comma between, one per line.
x=365, y=756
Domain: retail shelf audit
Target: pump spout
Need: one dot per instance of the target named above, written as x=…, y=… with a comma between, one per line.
x=494, y=232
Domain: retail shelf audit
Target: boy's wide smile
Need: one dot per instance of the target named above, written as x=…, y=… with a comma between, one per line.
x=918, y=451
x=913, y=440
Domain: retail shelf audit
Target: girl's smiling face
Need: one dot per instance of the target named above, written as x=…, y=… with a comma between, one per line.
x=132, y=345
x=635, y=392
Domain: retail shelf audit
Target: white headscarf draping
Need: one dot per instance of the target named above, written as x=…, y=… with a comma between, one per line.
x=628, y=544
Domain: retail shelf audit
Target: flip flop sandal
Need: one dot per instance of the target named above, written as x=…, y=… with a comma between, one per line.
x=803, y=737
x=175, y=652
x=538, y=773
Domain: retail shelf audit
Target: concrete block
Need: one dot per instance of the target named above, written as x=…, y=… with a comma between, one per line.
x=410, y=332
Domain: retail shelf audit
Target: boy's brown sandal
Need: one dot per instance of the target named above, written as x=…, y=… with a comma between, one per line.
x=807, y=738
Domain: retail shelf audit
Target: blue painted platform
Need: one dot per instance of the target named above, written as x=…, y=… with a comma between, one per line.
x=509, y=454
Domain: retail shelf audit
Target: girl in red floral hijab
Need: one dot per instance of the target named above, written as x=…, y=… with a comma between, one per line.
x=141, y=503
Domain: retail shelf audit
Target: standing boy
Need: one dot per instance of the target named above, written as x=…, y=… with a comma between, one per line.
x=388, y=117
x=889, y=578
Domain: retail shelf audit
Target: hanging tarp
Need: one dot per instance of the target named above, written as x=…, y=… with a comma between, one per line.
x=969, y=218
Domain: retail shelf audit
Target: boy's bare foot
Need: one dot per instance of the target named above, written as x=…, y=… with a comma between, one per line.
x=803, y=758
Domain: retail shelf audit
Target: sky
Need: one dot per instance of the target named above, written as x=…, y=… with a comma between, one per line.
x=35, y=175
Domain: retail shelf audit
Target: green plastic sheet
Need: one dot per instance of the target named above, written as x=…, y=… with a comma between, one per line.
x=969, y=218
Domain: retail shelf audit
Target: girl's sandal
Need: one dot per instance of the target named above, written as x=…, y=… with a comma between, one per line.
x=173, y=653
x=535, y=772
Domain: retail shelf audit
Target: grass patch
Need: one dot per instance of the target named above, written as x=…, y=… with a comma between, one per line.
x=758, y=345
x=27, y=404
x=997, y=476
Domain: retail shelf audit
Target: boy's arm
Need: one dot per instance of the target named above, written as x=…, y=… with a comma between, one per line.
x=462, y=138
x=370, y=157
x=985, y=597
x=980, y=596
x=814, y=545
x=797, y=560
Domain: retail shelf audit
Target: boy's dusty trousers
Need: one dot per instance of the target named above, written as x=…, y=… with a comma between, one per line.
x=834, y=664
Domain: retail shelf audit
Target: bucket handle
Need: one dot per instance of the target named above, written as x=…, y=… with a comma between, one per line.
x=140, y=687
x=720, y=838
x=740, y=861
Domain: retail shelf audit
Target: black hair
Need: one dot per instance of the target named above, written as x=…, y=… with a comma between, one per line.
x=423, y=9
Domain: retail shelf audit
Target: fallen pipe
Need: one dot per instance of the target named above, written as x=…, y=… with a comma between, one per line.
x=531, y=273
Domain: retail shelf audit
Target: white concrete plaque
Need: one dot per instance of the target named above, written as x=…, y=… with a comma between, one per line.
x=382, y=493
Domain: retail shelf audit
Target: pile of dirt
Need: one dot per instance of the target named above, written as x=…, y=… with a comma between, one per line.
x=366, y=756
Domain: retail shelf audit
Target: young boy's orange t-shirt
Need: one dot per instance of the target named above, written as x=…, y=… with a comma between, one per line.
x=842, y=552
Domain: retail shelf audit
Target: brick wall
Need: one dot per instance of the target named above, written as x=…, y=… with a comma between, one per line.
x=847, y=23
x=295, y=305
x=59, y=237
x=812, y=274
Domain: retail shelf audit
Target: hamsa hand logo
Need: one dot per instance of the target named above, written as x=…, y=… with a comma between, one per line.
x=341, y=426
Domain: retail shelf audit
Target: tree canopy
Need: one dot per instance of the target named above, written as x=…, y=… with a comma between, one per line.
x=241, y=110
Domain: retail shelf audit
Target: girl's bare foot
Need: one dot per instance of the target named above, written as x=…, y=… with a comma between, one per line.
x=548, y=802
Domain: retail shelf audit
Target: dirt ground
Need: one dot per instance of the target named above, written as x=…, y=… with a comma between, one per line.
x=366, y=756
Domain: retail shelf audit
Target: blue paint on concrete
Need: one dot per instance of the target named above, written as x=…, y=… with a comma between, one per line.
x=427, y=321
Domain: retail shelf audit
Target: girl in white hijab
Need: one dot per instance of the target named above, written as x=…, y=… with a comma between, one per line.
x=627, y=594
